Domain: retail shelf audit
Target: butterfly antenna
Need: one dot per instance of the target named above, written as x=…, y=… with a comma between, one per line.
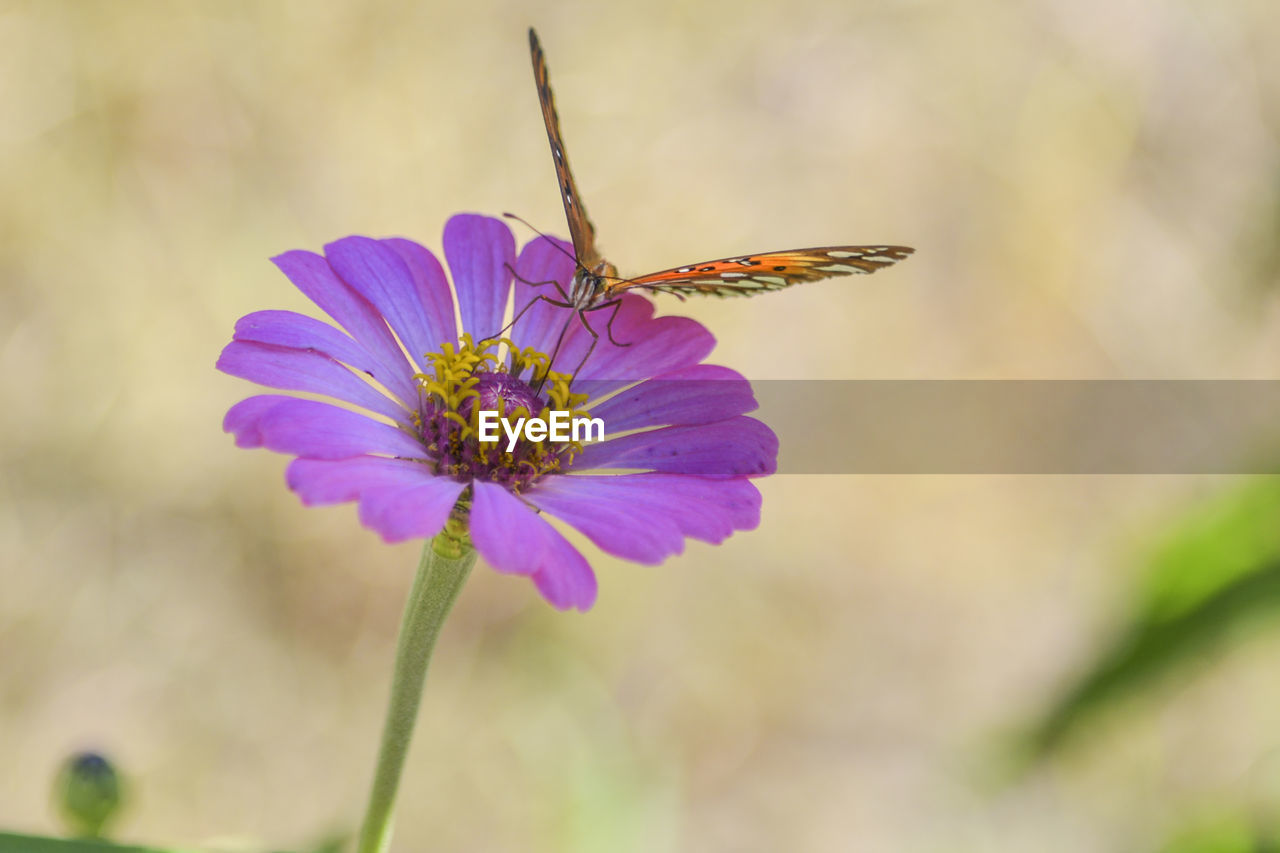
x=570, y=255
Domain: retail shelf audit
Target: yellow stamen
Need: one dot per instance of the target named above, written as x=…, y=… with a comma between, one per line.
x=450, y=386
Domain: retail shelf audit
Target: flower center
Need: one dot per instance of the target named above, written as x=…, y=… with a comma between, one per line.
x=463, y=381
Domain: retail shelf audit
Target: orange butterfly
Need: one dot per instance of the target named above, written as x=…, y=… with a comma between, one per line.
x=596, y=284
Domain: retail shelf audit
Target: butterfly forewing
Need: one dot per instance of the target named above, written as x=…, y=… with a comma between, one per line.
x=747, y=275
x=581, y=230
x=744, y=275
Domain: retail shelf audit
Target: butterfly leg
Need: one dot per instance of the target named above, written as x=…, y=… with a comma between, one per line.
x=595, y=339
x=521, y=313
x=615, y=304
x=551, y=361
x=526, y=281
x=529, y=304
x=608, y=327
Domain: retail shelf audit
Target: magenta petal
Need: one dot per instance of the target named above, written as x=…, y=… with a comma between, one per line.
x=410, y=512
x=651, y=345
x=319, y=482
x=646, y=517
x=244, y=418
x=566, y=580
x=479, y=250
x=514, y=539
x=288, y=329
x=543, y=260
x=399, y=499
x=701, y=394
x=312, y=274
x=433, y=289
x=305, y=370
x=739, y=447
x=378, y=273
x=315, y=429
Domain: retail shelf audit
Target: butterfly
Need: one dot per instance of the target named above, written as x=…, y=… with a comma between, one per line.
x=596, y=284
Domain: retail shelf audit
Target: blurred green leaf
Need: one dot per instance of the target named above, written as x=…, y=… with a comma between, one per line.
x=14, y=843
x=1229, y=834
x=10, y=843
x=1217, y=573
x=1231, y=537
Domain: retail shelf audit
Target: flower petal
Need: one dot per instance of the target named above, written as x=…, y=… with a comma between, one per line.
x=399, y=499
x=650, y=345
x=289, y=329
x=244, y=418
x=410, y=512
x=378, y=273
x=433, y=289
x=315, y=429
x=513, y=538
x=646, y=517
x=701, y=394
x=320, y=482
x=305, y=370
x=543, y=260
x=479, y=250
x=312, y=274
x=739, y=447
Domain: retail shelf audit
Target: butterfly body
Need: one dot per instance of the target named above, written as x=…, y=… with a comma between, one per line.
x=596, y=284
x=590, y=287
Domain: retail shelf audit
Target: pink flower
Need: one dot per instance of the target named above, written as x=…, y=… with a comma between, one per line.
x=412, y=454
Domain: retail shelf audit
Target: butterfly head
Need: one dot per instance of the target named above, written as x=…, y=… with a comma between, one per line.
x=589, y=285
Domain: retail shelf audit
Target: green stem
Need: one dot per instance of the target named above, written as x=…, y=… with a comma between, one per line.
x=446, y=561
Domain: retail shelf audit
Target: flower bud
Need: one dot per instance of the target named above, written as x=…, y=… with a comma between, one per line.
x=88, y=793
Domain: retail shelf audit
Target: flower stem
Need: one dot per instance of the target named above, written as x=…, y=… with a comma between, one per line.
x=446, y=561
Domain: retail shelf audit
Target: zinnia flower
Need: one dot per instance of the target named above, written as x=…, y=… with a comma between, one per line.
x=412, y=455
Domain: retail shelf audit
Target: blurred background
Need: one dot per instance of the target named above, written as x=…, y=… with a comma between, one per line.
x=1093, y=188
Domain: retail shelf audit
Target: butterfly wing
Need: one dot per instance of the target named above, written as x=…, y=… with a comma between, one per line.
x=747, y=275
x=580, y=227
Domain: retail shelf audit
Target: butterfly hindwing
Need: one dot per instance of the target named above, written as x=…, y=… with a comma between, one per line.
x=747, y=275
x=581, y=230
